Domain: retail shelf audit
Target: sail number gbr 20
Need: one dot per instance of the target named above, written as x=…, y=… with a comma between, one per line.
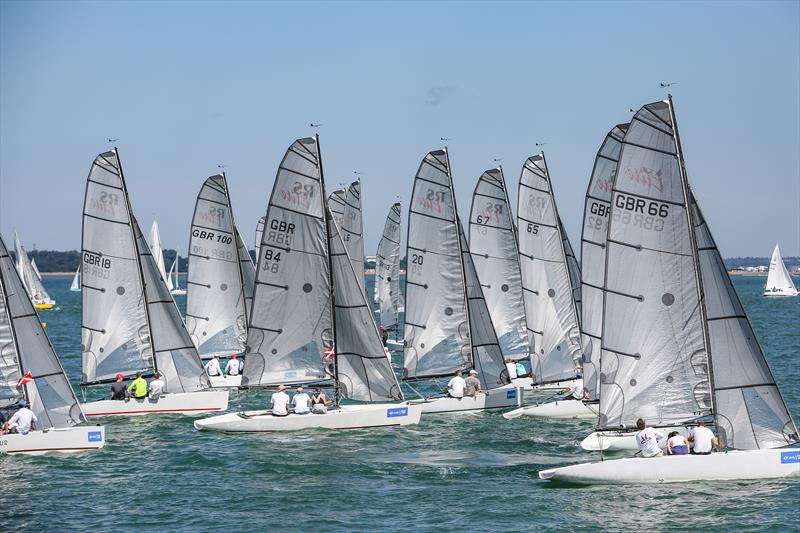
x=645, y=214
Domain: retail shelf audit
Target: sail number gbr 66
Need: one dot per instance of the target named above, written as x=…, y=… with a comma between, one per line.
x=645, y=214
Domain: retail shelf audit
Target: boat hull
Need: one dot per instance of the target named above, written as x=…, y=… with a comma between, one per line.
x=559, y=409
x=56, y=440
x=734, y=465
x=345, y=417
x=527, y=385
x=499, y=398
x=224, y=382
x=44, y=306
x=395, y=345
x=622, y=441
x=185, y=403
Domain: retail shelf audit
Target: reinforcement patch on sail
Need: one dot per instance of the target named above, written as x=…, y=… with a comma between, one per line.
x=654, y=363
x=114, y=336
x=216, y=314
x=436, y=326
x=387, y=269
x=290, y=323
x=495, y=254
x=596, y=211
x=364, y=371
x=26, y=350
x=550, y=309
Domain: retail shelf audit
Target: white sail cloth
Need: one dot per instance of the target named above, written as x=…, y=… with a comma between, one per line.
x=259, y=232
x=158, y=255
x=779, y=282
x=352, y=229
x=28, y=274
x=593, y=254
x=387, y=269
x=495, y=254
x=336, y=203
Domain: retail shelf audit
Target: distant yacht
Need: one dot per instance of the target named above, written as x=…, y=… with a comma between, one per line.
x=779, y=283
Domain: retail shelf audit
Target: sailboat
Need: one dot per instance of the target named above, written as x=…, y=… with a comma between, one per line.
x=75, y=286
x=447, y=323
x=174, y=287
x=495, y=253
x=30, y=370
x=259, y=232
x=387, y=276
x=30, y=280
x=677, y=346
x=130, y=323
x=779, y=282
x=550, y=276
x=310, y=322
x=216, y=310
x=158, y=254
x=352, y=228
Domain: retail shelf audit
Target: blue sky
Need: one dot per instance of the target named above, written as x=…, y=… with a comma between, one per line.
x=186, y=86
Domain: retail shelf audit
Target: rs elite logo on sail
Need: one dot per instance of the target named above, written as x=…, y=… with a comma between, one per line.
x=106, y=203
x=300, y=195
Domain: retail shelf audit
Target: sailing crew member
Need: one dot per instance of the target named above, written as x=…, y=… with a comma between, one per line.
x=156, y=386
x=648, y=438
x=213, y=368
x=676, y=444
x=455, y=387
x=23, y=420
x=511, y=368
x=703, y=440
x=280, y=402
x=138, y=387
x=384, y=335
x=575, y=391
x=521, y=370
x=233, y=367
x=472, y=385
x=319, y=403
x=301, y=402
x=118, y=391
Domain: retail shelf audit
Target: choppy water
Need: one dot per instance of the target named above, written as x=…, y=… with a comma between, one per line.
x=464, y=472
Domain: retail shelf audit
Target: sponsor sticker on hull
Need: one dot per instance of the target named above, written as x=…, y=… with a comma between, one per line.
x=511, y=394
x=790, y=457
x=396, y=411
x=95, y=436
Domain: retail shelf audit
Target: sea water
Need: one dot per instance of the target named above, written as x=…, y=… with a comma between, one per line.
x=463, y=472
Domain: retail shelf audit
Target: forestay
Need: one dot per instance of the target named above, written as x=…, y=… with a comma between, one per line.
x=654, y=363
x=32, y=283
x=352, y=229
x=114, y=336
x=259, y=232
x=25, y=349
x=495, y=254
x=749, y=409
x=364, y=373
x=779, y=281
x=290, y=323
x=551, y=314
x=593, y=254
x=387, y=269
x=216, y=314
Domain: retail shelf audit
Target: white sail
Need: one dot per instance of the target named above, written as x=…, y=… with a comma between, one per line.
x=115, y=337
x=336, y=203
x=155, y=246
x=290, y=323
x=363, y=372
x=550, y=308
x=495, y=253
x=26, y=350
x=438, y=325
x=75, y=286
x=779, y=282
x=387, y=269
x=248, y=270
x=30, y=280
x=172, y=275
x=593, y=254
x=749, y=410
x=654, y=361
x=216, y=314
x=259, y=232
x=36, y=269
x=352, y=229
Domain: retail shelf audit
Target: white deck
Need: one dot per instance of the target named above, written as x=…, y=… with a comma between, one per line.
x=559, y=409
x=618, y=441
x=499, y=398
x=527, y=385
x=734, y=465
x=225, y=382
x=56, y=440
x=345, y=417
x=185, y=403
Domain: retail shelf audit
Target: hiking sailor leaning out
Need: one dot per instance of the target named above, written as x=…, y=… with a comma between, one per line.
x=22, y=421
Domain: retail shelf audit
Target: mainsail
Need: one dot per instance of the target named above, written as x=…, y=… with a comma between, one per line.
x=216, y=313
x=654, y=362
x=495, y=253
x=352, y=229
x=336, y=203
x=593, y=254
x=30, y=280
x=441, y=336
x=779, y=281
x=290, y=323
x=548, y=281
x=259, y=232
x=158, y=254
x=36, y=270
x=387, y=269
x=248, y=273
x=75, y=286
x=25, y=350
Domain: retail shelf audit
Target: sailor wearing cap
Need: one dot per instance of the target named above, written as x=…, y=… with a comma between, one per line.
x=234, y=366
x=22, y=421
x=118, y=391
x=575, y=391
x=472, y=385
x=156, y=386
x=301, y=402
x=280, y=402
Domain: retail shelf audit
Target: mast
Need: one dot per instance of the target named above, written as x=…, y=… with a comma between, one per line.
x=695, y=256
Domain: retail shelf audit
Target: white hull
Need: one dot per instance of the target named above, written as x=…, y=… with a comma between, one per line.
x=345, y=417
x=559, y=409
x=222, y=382
x=178, y=292
x=500, y=398
x=735, y=465
x=185, y=403
x=780, y=293
x=619, y=441
x=395, y=345
x=62, y=440
x=527, y=385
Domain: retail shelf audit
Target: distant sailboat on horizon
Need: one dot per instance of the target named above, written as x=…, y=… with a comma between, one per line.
x=779, y=282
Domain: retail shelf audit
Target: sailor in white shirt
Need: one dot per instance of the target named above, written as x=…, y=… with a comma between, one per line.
x=301, y=402
x=575, y=391
x=648, y=439
x=511, y=368
x=703, y=440
x=23, y=420
x=455, y=387
x=280, y=402
x=156, y=387
x=233, y=367
x=213, y=368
